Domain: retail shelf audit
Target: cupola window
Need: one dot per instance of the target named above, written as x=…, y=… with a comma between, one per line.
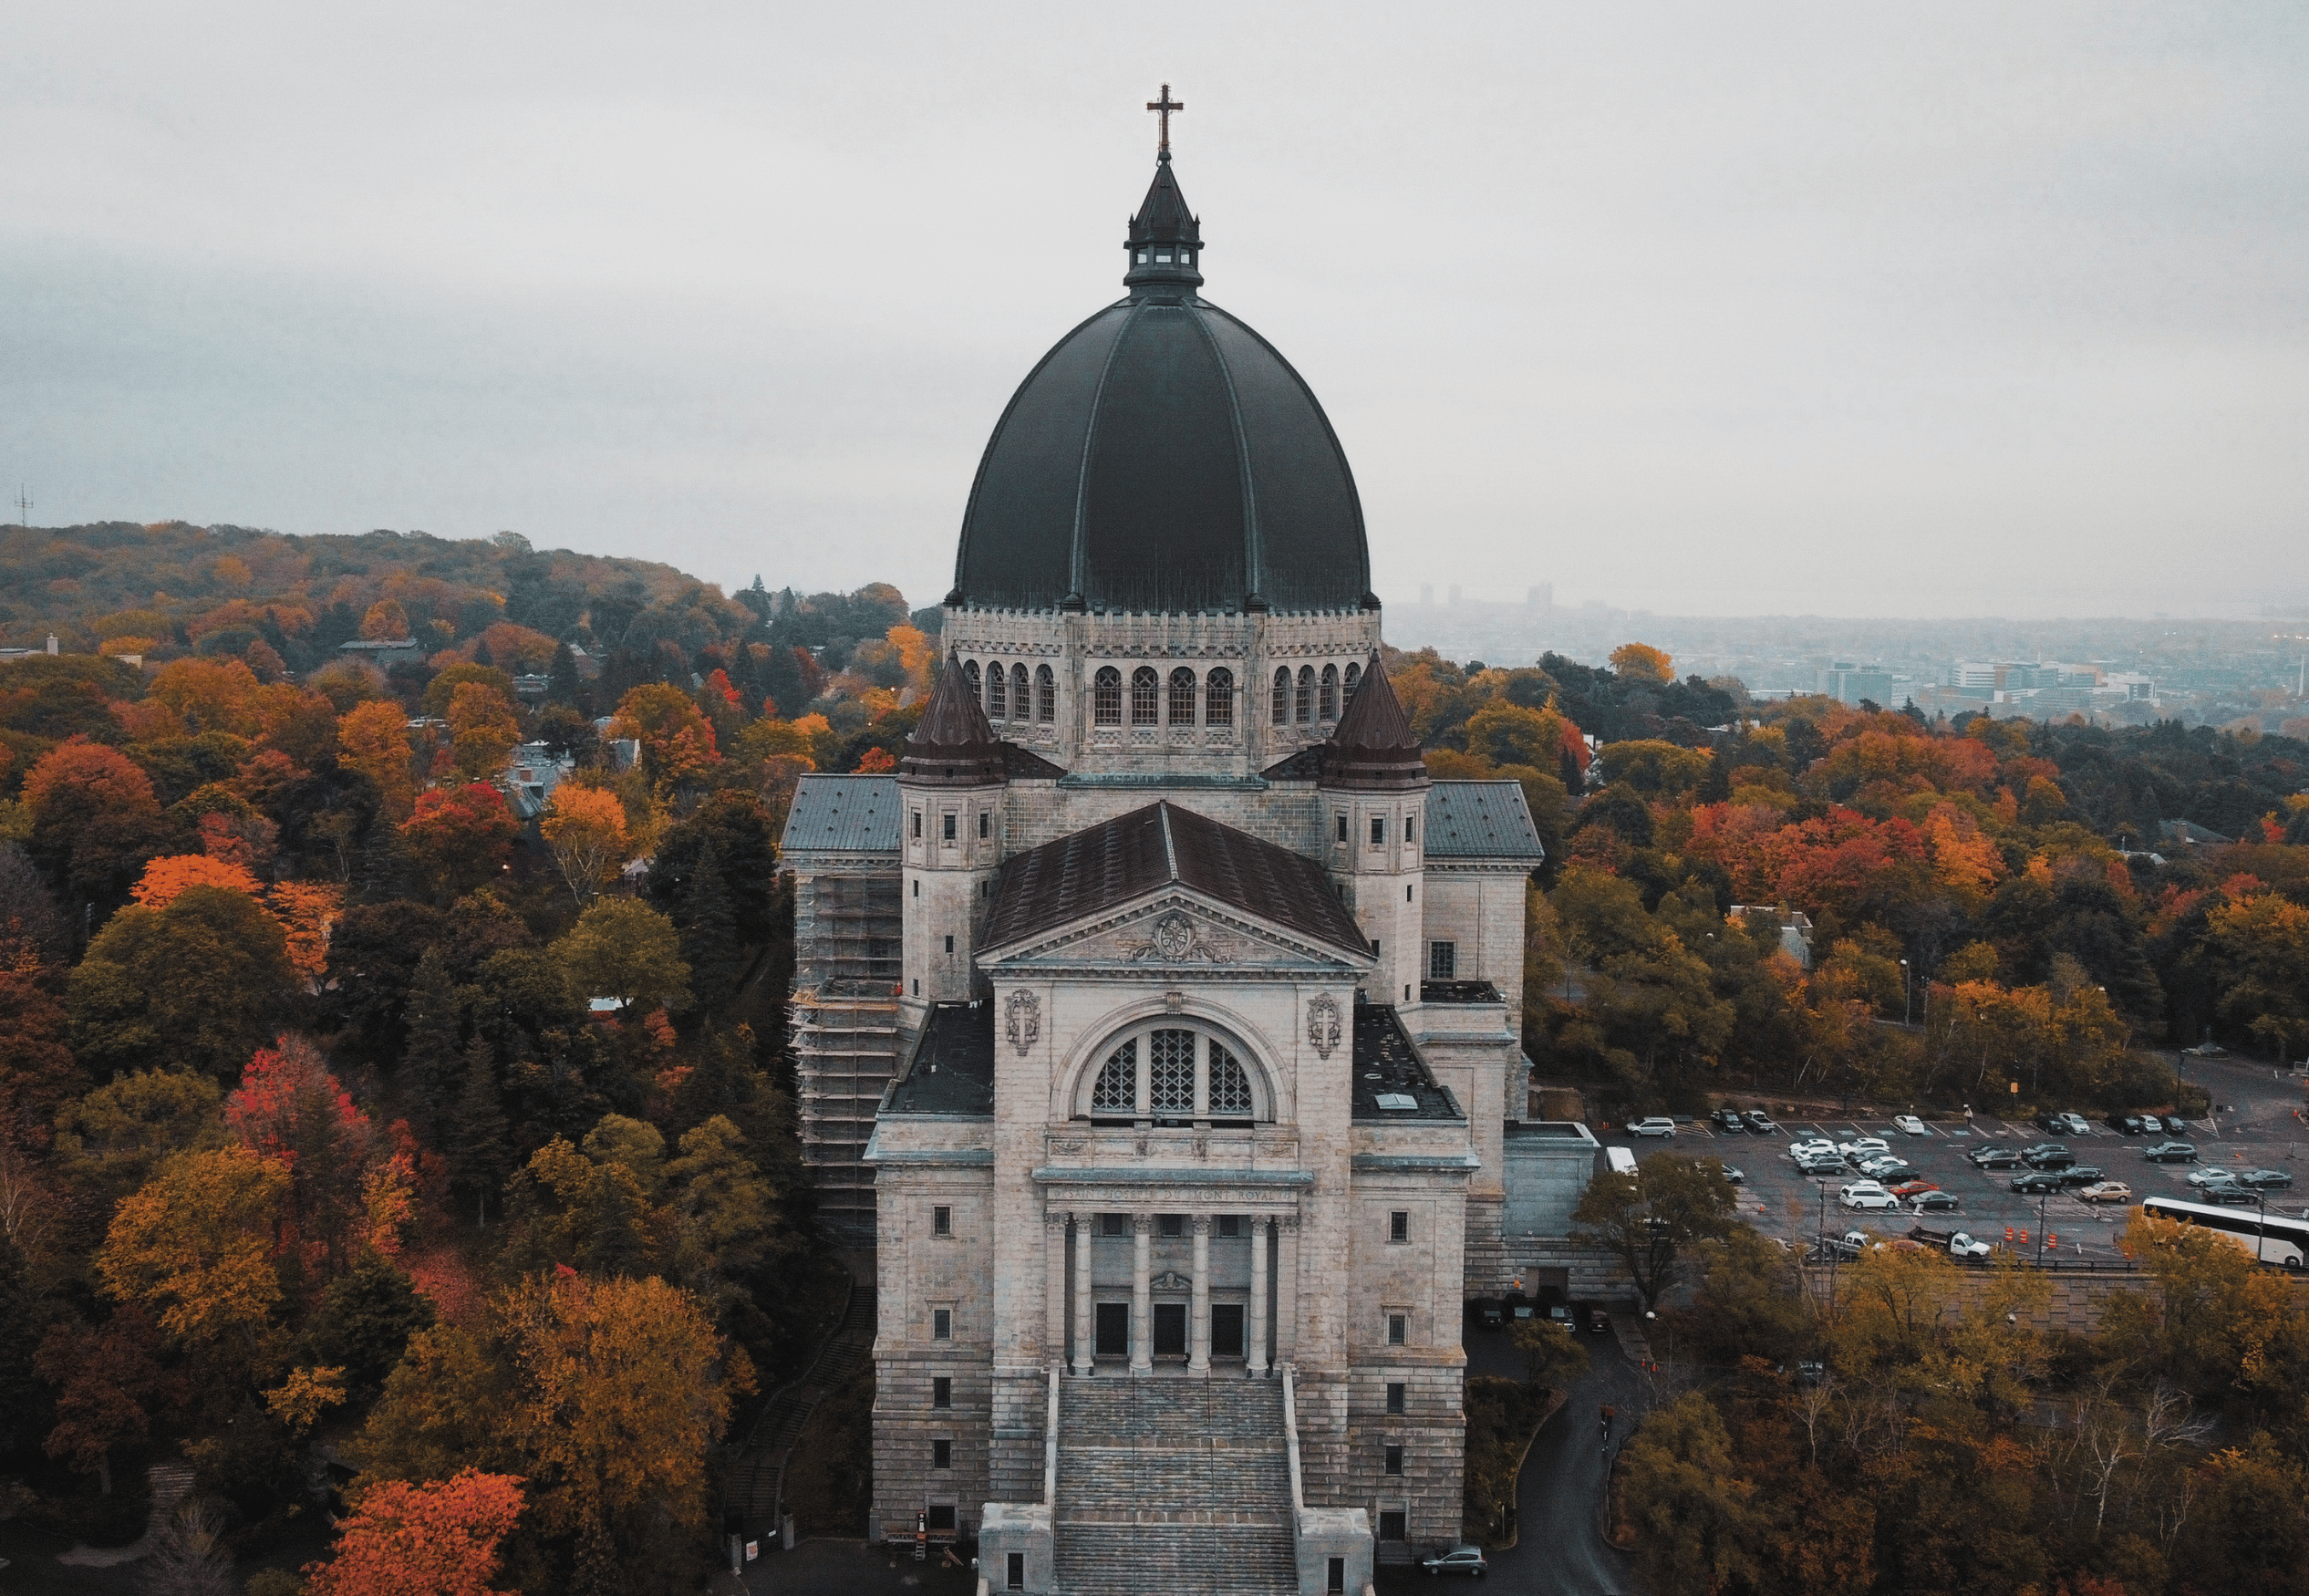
x=1017, y=692
x=1281, y=711
x=1354, y=675
x=1330, y=707
x=1045, y=694
x=1218, y=698
x=1145, y=697
x=1306, y=694
x=1181, y=705
x=1106, y=697
x=998, y=700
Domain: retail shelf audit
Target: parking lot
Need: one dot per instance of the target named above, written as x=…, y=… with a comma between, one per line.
x=2254, y=1123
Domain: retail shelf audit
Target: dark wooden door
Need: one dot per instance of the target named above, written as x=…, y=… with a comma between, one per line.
x=1227, y=1329
x=1114, y=1330
x=1170, y=1330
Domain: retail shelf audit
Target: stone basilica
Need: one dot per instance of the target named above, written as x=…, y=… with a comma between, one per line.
x=1158, y=1018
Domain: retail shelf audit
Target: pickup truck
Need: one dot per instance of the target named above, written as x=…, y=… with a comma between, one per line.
x=1955, y=1243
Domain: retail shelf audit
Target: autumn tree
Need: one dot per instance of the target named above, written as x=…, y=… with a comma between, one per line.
x=194, y=1245
x=482, y=730
x=1641, y=662
x=290, y=1110
x=108, y=1379
x=437, y=1539
x=627, y=950
x=676, y=741
x=585, y=829
x=95, y=821
x=373, y=738
x=364, y=1322
x=1650, y=1220
x=1693, y=1509
x=460, y=836
x=199, y=984
x=385, y=622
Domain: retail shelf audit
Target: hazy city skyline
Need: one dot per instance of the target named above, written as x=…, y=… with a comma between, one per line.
x=1792, y=311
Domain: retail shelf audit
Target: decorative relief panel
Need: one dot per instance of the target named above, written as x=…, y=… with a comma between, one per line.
x=1322, y=1026
x=1022, y=1021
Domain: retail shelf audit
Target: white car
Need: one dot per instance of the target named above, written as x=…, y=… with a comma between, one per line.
x=1907, y=1124
x=1662, y=1127
x=1862, y=1188
x=1876, y=1201
x=1883, y=1166
x=1865, y=1147
x=1817, y=1148
x=2212, y=1175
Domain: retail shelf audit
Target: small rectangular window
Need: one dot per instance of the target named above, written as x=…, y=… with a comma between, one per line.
x=942, y=1391
x=1443, y=961
x=1231, y=1224
x=1399, y=1225
x=918, y=825
x=942, y=1454
x=1411, y=828
x=947, y=823
x=1406, y=894
x=1394, y=1397
x=1342, y=828
x=1111, y=1224
x=941, y=1220
x=940, y=1518
x=1374, y=947
x=1391, y=1525
x=1335, y=1581
x=986, y=825
x=917, y=887
x=1174, y=1224
x=1395, y=1461
x=942, y=1324
x=1398, y=1329
x=1014, y=1574
x=1378, y=830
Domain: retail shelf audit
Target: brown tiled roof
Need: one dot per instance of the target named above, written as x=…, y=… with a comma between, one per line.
x=954, y=741
x=1374, y=745
x=1106, y=866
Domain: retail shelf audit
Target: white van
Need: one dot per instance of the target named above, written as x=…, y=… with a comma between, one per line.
x=1621, y=1159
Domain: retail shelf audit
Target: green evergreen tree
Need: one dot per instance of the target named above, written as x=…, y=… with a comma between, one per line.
x=563, y=683
x=432, y=1067
x=1716, y=787
x=709, y=928
x=364, y=1321
x=477, y=1153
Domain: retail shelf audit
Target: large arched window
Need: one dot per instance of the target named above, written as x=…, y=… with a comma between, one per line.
x=1146, y=697
x=1162, y=1070
x=1218, y=698
x=1017, y=692
x=1281, y=714
x=1354, y=675
x=1106, y=697
x=1045, y=695
x=1328, y=708
x=1182, y=705
x=970, y=675
x=998, y=698
x=1306, y=694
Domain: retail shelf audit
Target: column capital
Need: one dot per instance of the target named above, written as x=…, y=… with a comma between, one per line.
x=1056, y=1219
x=1143, y=1224
x=1202, y=1224
x=1287, y=1222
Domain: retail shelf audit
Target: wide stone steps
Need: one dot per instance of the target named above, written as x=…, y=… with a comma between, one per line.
x=1173, y=1485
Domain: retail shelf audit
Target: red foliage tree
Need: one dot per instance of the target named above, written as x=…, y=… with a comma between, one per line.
x=462, y=834
x=95, y=820
x=439, y=1538
x=290, y=1108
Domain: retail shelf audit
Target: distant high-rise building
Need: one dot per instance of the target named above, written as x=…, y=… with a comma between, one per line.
x=1540, y=595
x=1848, y=683
x=1455, y=593
x=1427, y=594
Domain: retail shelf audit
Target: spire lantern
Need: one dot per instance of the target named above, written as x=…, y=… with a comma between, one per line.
x=1165, y=238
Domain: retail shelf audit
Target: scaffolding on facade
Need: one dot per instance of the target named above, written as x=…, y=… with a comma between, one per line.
x=844, y=1029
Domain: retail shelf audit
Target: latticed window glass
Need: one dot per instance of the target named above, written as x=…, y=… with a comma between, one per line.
x=1305, y=693
x=1282, y=716
x=1017, y=692
x=1045, y=695
x=1170, y=1072
x=1106, y=697
x=1116, y=1089
x=1354, y=675
x=970, y=675
x=1181, y=708
x=1329, y=710
x=998, y=698
x=1230, y=1087
x=1218, y=698
x=1146, y=697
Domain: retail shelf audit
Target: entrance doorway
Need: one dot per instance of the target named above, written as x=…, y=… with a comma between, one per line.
x=1114, y=1330
x=1170, y=1330
x=1227, y=1329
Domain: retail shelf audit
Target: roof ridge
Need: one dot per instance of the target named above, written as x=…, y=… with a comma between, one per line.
x=1170, y=847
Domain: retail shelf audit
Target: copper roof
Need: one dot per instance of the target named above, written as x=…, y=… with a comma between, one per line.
x=1132, y=855
x=1374, y=745
x=954, y=743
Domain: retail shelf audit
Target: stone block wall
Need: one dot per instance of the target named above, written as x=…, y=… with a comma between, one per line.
x=1432, y=1431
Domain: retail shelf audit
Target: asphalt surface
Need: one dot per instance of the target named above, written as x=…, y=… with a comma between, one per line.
x=2255, y=1122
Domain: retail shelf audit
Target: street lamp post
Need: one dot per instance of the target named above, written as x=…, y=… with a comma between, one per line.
x=1907, y=994
x=2042, y=1198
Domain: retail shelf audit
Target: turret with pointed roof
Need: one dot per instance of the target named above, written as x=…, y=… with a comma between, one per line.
x=1373, y=746
x=1166, y=237
x=954, y=745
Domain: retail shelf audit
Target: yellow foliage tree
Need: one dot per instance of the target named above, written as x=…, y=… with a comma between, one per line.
x=1641, y=662
x=585, y=828
x=482, y=731
x=386, y=622
x=194, y=1245
x=309, y=911
x=373, y=738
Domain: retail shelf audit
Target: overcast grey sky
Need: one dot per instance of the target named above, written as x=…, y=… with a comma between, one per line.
x=1891, y=309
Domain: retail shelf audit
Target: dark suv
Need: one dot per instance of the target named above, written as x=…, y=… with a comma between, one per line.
x=2170, y=1153
x=1728, y=1119
x=2048, y=1156
x=2126, y=1124
x=2037, y=1183
x=2082, y=1174
x=1994, y=1157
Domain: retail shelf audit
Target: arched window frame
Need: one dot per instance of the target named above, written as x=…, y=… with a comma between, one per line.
x=998, y=697
x=1045, y=694
x=1349, y=683
x=1106, y=697
x=1327, y=702
x=1281, y=715
x=1146, y=697
x=970, y=675
x=1227, y=1084
x=1179, y=705
x=1019, y=699
x=1305, y=705
x=1218, y=698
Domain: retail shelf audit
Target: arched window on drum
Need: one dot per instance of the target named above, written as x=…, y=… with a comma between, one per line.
x=1330, y=694
x=970, y=675
x=1306, y=700
x=1355, y=676
x=1280, y=714
x=998, y=697
x=1106, y=697
x=1218, y=698
x=1146, y=705
x=1182, y=704
x=1045, y=695
x=1017, y=692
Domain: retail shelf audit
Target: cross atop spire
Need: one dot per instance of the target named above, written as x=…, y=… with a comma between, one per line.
x=1163, y=108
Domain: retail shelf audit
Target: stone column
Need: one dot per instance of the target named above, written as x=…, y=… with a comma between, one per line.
x=1086, y=1355
x=1258, y=1347
x=1287, y=1288
x=1053, y=1286
x=1198, y=1322
x=1142, y=1294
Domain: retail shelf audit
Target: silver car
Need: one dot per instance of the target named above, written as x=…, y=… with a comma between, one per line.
x=1459, y=1559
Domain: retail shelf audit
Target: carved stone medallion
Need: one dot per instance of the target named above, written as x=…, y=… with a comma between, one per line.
x=1022, y=1020
x=1176, y=939
x=1322, y=1025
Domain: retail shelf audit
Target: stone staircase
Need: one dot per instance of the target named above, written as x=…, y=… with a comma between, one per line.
x=1178, y=1485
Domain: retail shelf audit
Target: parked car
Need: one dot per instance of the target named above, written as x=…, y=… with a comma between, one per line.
x=2055, y=1123
x=1599, y=1321
x=1813, y=1148
x=2170, y=1153
x=1915, y=1186
x=2172, y=1124
x=2229, y=1191
x=2079, y=1175
x=1907, y=1124
x=2213, y=1175
x=1961, y=1245
x=1760, y=1122
x=1736, y=1176
x=1868, y=1201
x=1994, y=1157
x=1861, y=1147
x=2126, y=1124
x=1490, y=1312
x=2049, y=1155
x=2265, y=1180
x=1824, y=1164
x=2037, y=1183
x=2074, y=1125
x=1728, y=1119
x=1849, y=1186
x=1459, y=1559
x=1658, y=1126
x=2106, y=1191
x=1874, y=1162
x=1932, y=1202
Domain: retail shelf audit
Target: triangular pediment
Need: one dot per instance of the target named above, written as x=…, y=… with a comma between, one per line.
x=1174, y=930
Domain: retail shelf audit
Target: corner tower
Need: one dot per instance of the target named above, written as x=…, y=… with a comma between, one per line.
x=950, y=789
x=1373, y=791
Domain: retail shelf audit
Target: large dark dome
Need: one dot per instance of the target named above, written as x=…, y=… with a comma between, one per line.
x=1164, y=458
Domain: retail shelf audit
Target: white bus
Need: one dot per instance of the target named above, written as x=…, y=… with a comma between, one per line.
x=1621, y=1159
x=2271, y=1238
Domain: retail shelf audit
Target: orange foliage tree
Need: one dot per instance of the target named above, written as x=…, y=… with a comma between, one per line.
x=165, y=880
x=95, y=819
x=585, y=828
x=461, y=836
x=482, y=730
x=438, y=1538
x=373, y=738
x=676, y=741
x=290, y=1110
